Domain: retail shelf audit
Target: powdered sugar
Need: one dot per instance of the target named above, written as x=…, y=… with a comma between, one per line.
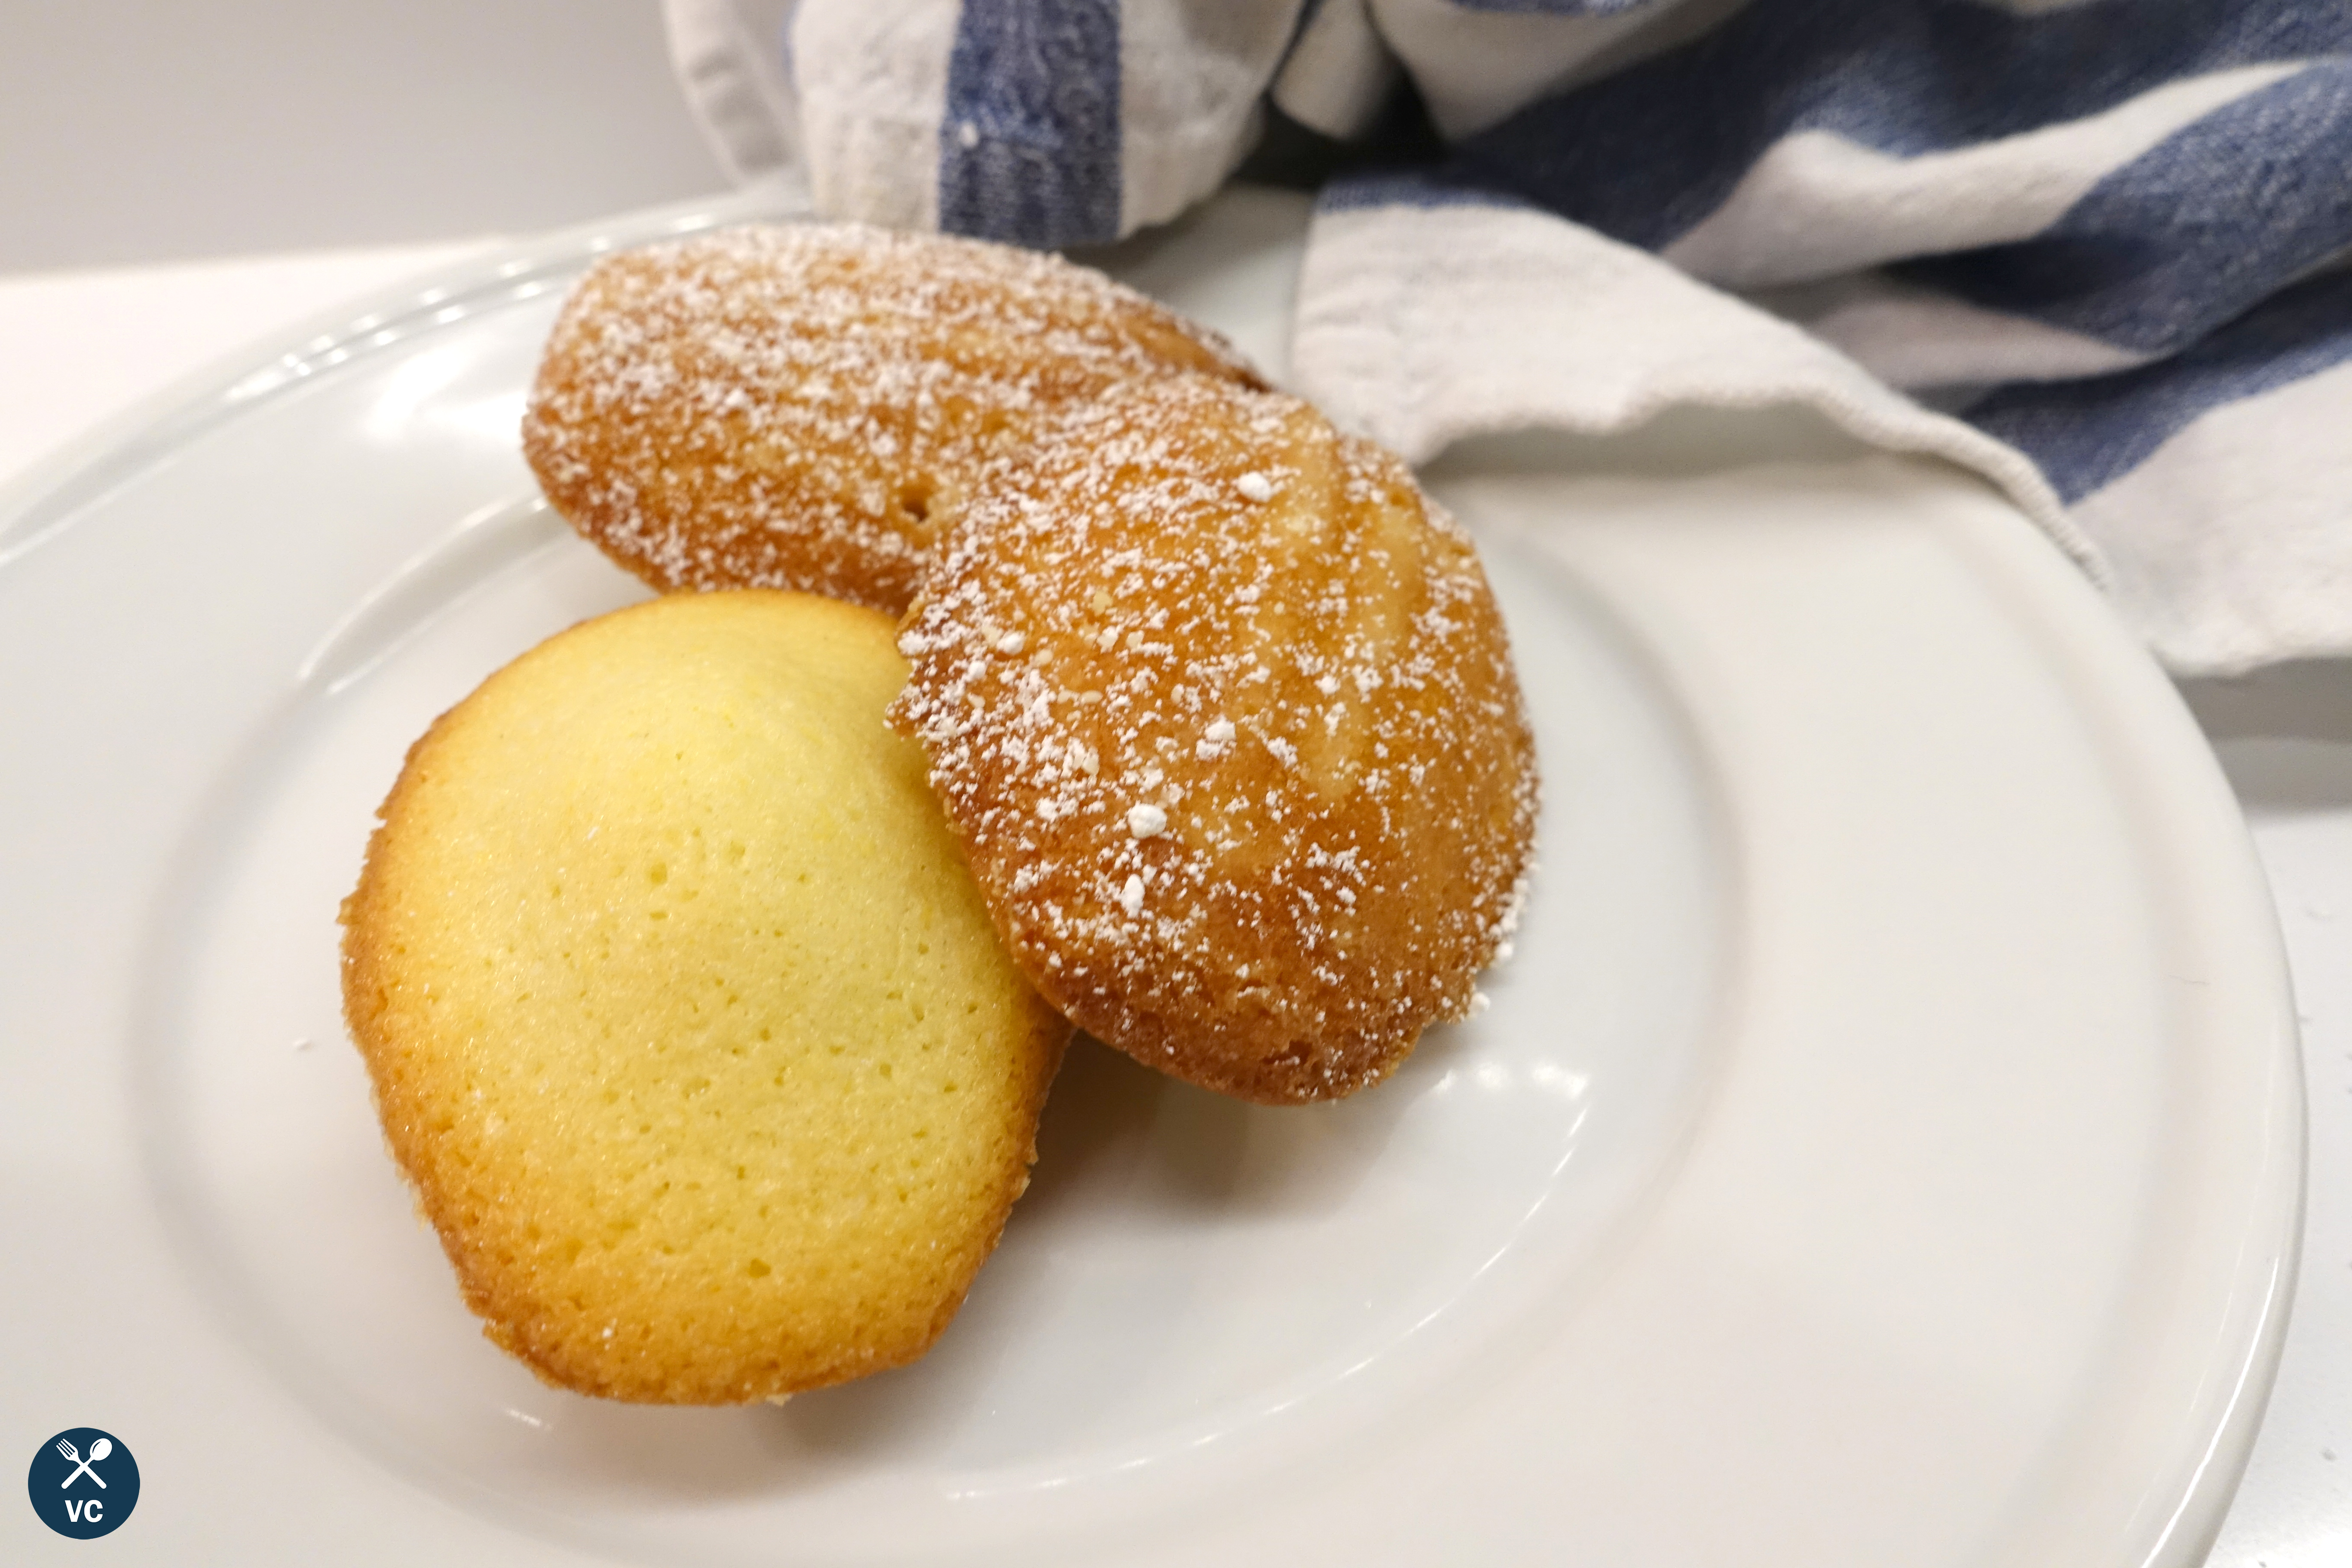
x=808, y=407
x=1306, y=788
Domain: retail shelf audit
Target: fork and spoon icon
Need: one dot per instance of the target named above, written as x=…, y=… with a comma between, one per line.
x=98, y=1451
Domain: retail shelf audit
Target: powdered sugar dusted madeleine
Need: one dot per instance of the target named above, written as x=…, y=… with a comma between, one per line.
x=808, y=407
x=1221, y=707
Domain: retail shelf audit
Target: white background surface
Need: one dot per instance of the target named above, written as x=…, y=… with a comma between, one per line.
x=136, y=131
x=308, y=152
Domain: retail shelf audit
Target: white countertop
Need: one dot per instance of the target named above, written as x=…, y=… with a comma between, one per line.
x=80, y=346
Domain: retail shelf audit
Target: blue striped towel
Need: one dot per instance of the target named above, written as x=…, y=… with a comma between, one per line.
x=2094, y=250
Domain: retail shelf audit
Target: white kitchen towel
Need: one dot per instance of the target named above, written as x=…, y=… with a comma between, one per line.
x=2093, y=249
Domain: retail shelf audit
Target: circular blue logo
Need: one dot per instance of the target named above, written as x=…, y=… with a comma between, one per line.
x=84, y=1482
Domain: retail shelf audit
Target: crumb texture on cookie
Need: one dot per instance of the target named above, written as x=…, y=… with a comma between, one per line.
x=683, y=1015
x=1223, y=710
x=808, y=407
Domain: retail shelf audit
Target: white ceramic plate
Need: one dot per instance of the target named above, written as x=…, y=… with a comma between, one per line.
x=1884, y=1147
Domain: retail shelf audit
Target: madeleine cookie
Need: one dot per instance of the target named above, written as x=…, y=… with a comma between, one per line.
x=1222, y=708
x=684, y=1018
x=808, y=407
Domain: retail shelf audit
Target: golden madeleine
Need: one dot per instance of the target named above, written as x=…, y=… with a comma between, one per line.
x=684, y=1016
x=1222, y=709
x=808, y=407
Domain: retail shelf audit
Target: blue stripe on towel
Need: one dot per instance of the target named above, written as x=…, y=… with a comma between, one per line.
x=2087, y=434
x=1645, y=155
x=2182, y=238
x=1029, y=136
